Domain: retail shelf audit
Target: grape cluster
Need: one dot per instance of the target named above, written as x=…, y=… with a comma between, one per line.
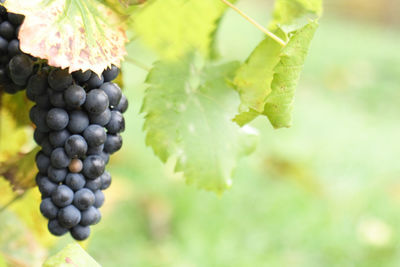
x=15, y=66
x=78, y=120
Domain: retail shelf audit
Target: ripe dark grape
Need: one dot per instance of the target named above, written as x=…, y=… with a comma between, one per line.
x=75, y=181
x=48, y=209
x=21, y=68
x=95, y=150
x=60, y=79
x=76, y=146
x=47, y=148
x=75, y=96
x=93, y=167
x=43, y=101
x=95, y=81
x=105, y=180
x=80, y=232
x=56, y=229
x=57, y=119
x=82, y=77
x=39, y=116
x=101, y=119
x=99, y=199
x=57, y=99
x=117, y=123
x=62, y=196
x=113, y=143
x=7, y=30
x=110, y=73
x=96, y=101
x=94, y=184
x=39, y=136
x=113, y=92
x=95, y=135
x=69, y=216
x=58, y=138
x=123, y=104
x=42, y=162
x=83, y=199
x=15, y=19
x=37, y=84
x=3, y=45
x=90, y=216
x=78, y=121
x=13, y=48
x=105, y=156
x=46, y=187
x=59, y=158
x=56, y=175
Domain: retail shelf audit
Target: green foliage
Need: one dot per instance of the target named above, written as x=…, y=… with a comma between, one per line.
x=188, y=108
x=173, y=28
x=73, y=255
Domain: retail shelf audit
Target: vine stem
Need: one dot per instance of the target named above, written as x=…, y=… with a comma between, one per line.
x=252, y=21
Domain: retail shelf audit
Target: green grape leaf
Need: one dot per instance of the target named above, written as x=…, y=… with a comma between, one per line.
x=253, y=80
x=71, y=255
x=74, y=34
x=279, y=103
x=175, y=27
x=296, y=12
x=188, y=107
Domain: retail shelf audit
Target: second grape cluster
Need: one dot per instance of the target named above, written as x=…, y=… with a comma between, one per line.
x=78, y=120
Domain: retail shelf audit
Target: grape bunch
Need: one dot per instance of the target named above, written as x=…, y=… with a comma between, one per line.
x=78, y=119
x=15, y=66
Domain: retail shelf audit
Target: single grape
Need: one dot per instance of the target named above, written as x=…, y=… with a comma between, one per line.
x=57, y=99
x=75, y=181
x=48, y=209
x=59, y=158
x=96, y=101
x=93, y=167
x=95, y=81
x=101, y=119
x=76, y=146
x=69, y=216
x=42, y=162
x=58, y=138
x=81, y=77
x=56, y=229
x=80, y=232
x=62, y=196
x=37, y=84
x=95, y=135
x=39, y=136
x=89, y=216
x=113, y=143
x=117, y=123
x=95, y=150
x=75, y=96
x=99, y=199
x=57, y=175
x=3, y=46
x=46, y=187
x=38, y=117
x=78, y=121
x=113, y=92
x=94, y=184
x=110, y=73
x=75, y=166
x=13, y=48
x=21, y=67
x=60, y=79
x=83, y=199
x=47, y=148
x=57, y=119
x=43, y=101
x=7, y=30
x=123, y=104
x=15, y=19
x=105, y=180
x=105, y=156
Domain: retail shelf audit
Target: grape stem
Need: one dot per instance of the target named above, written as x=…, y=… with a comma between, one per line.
x=255, y=23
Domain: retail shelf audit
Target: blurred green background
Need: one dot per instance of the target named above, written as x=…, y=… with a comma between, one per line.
x=325, y=192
